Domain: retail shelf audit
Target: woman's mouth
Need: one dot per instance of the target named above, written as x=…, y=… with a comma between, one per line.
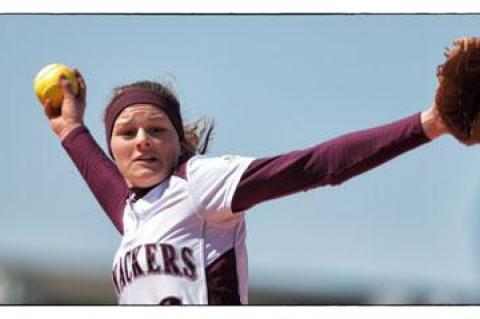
x=145, y=159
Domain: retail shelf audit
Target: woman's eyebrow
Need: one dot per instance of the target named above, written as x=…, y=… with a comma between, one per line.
x=123, y=121
x=126, y=120
x=157, y=116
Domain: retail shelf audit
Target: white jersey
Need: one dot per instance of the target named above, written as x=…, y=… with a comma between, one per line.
x=182, y=243
x=182, y=236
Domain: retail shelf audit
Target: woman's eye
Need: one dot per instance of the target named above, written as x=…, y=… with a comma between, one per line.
x=157, y=130
x=128, y=133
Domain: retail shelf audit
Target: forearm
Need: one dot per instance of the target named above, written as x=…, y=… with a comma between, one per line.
x=65, y=131
x=99, y=172
x=329, y=163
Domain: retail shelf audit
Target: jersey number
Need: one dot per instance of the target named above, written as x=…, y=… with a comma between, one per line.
x=170, y=301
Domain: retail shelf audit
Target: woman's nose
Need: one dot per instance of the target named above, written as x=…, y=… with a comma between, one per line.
x=143, y=140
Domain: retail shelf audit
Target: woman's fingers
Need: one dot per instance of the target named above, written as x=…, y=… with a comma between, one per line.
x=50, y=111
x=66, y=87
x=81, y=84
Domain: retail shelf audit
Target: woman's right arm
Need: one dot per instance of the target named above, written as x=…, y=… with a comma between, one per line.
x=100, y=173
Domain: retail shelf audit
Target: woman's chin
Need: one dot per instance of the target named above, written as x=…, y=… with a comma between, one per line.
x=147, y=179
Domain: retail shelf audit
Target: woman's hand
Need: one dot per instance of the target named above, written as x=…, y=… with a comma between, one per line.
x=70, y=116
x=432, y=124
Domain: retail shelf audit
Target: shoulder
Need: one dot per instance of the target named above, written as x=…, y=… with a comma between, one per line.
x=206, y=165
x=212, y=181
x=206, y=174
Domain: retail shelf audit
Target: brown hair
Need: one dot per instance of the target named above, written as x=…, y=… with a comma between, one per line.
x=198, y=133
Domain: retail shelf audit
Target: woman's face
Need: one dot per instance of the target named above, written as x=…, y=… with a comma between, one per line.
x=145, y=145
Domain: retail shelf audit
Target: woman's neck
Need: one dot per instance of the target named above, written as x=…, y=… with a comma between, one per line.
x=139, y=192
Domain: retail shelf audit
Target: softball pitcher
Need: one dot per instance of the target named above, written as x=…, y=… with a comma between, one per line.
x=180, y=212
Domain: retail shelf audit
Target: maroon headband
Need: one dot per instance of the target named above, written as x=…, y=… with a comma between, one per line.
x=132, y=96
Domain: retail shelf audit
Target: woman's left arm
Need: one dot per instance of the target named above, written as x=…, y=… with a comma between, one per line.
x=335, y=161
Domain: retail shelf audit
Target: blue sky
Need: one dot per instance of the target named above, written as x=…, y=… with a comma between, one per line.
x=273, y=84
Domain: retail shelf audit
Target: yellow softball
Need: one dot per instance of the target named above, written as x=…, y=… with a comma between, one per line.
x=47, y=86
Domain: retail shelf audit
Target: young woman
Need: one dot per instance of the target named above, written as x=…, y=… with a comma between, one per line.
x=181, y=213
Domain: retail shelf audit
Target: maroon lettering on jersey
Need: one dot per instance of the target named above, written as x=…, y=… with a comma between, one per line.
x=150, y=252
x=126, y=259
x=114, y=278
x=137, y=270
x=168, y=252
x=190, y=271
x=122, y=274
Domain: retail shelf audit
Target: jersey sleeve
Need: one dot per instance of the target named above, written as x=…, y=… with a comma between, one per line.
x=329, y=163
x=99, y=172
x=213, y=181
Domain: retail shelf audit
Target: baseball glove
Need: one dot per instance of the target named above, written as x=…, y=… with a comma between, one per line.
x=458, y=93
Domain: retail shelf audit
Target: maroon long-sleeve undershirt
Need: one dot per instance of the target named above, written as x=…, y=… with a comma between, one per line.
x=329, y=163
x=101, y=174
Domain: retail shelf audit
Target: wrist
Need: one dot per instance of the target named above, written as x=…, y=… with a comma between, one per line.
x=67, y=130
x=432, y=124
